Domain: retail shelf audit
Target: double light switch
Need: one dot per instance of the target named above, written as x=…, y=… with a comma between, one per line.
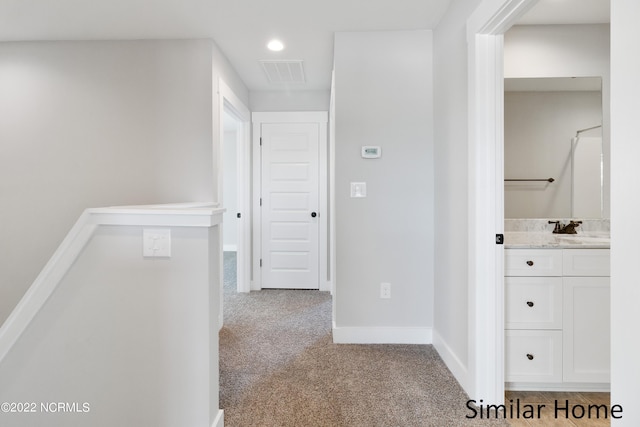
x=358, y=189
x=156, y=242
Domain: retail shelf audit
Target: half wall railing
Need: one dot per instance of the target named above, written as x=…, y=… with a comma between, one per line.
x=121, y=325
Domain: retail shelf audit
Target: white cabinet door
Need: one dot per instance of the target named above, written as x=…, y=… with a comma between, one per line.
x=586, y=322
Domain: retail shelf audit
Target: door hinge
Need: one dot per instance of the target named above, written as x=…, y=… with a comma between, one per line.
x=238, y=215
x=260, y=262
x=261, y=141
x=499, y=239
x=260, y=201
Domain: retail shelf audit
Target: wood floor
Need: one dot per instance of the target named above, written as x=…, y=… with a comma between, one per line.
x=552, y=409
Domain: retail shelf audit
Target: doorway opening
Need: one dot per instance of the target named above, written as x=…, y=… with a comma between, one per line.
x=231, y=131
x=234, y=188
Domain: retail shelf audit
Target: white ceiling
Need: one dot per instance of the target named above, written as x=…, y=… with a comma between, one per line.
x=241, y=28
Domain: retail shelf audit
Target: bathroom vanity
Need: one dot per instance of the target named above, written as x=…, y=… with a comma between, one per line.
x=557, y=315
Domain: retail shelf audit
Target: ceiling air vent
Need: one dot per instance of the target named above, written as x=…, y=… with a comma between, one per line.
x=284, y=71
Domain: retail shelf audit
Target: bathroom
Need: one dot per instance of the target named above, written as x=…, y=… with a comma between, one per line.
x=557, y=207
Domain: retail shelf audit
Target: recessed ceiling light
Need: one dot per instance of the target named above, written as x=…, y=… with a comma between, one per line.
x=275, y=45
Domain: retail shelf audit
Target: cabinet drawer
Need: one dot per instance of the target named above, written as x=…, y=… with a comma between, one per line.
x=586, y=262
x=533, y=302
x=533, y=356
x=533, y=262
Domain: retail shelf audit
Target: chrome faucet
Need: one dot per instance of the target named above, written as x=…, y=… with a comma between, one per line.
x=565, y=228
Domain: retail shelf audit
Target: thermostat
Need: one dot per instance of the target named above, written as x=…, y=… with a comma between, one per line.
x=371, y=152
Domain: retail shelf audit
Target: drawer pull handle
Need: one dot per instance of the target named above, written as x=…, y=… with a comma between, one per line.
x=530, y=303
x=529, y=263
x=530, y=356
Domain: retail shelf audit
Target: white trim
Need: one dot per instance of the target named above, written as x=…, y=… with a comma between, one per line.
x=449, y=357
x=381, y=335
x=156, y=217
x=75, y=241
x=570, y=387
x=495, y=17
x=229, y=102
x=218, y=421
x=230, y=248
x=166, y=206
x=327, y=286
x=321, y=118
x=486, y=324
x=290, y=117
x=256, y=230
x=323, y=218
x=332, y=190
x=486, y=279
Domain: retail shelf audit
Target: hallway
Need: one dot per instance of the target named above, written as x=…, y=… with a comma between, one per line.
x=279, y=367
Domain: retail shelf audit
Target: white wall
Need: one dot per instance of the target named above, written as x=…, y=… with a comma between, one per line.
x=625, y=205
x=289, y=100
x=538, y=129
x=383, y=97
x=564, y=51
x=451, y=188
x=85, y=124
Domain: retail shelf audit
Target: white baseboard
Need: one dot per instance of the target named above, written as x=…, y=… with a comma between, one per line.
x=219, y=420
x=381, y=335
x=559, y=387
x=326, y=286
x=457, y=368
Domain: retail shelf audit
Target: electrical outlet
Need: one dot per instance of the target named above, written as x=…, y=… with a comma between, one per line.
x=385, y=290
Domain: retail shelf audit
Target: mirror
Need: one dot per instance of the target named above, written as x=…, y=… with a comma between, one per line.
x=553, y=162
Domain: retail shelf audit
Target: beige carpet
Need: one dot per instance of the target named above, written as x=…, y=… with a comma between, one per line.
x=279, y=367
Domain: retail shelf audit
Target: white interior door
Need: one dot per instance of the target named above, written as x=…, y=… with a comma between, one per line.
x=290, y=201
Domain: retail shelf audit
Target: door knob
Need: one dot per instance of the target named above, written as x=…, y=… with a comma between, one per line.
x=313, y=214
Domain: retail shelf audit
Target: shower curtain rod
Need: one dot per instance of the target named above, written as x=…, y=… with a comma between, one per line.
x=540, y=179
x=584, y=130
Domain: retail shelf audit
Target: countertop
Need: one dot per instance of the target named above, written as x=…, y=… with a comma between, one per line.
x=525, y=239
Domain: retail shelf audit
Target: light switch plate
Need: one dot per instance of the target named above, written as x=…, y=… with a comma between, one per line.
x=358, y=189
x=156, y=242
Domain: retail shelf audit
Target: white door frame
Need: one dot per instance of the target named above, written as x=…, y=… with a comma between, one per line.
x=230, y=103
x=320, y=117
x=485, y=29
